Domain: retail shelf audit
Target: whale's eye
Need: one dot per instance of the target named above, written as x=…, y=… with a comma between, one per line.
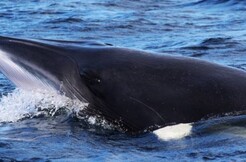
x=90, y=77
x=92, y=81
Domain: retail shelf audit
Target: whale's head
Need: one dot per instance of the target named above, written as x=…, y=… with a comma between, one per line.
x=44, y=64
x=80, y=70
x=106, y=77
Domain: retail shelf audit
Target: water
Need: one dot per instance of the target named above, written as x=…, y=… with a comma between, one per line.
x=39, y=126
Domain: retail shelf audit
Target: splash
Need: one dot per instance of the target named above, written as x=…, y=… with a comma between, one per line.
x=22, y=104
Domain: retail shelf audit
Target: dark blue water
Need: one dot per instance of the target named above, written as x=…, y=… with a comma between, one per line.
x=38, y=127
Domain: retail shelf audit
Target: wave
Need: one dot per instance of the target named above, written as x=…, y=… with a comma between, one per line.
x=214, y=43
x=69, y=20
x=235, y=125
x=241, y=3
x=235, y=4
x=231, y=2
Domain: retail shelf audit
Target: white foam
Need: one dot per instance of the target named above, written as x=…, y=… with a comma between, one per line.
x=174, y=132
x=21, y=104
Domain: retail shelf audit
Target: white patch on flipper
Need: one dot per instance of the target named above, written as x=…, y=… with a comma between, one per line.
x=174, y=132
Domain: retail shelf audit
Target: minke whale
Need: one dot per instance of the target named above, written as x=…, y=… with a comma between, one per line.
x=137, y=90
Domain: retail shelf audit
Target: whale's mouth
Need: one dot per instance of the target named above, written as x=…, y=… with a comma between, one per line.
x=34, y=65
x=21, y=77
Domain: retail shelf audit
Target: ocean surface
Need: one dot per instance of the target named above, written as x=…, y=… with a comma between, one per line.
x=39, y=126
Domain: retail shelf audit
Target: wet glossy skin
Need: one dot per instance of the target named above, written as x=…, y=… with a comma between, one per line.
x=138, y=90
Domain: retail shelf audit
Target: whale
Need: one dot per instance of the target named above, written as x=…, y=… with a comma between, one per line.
x=136, y=90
